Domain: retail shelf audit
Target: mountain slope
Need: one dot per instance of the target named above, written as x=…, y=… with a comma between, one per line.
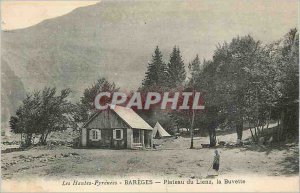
x=114, y=39
x=110, y=39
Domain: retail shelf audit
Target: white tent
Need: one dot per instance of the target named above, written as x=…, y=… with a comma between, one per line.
x=158, y=131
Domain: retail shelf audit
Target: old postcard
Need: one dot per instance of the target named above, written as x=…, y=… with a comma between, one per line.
x=149, y=96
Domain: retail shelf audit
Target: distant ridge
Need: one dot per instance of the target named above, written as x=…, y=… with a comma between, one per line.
x=114, y=39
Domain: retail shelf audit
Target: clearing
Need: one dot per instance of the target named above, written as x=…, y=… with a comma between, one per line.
x=172, y=158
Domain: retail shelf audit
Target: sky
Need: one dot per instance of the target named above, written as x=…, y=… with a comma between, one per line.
x=22, y=14
x=264, y=19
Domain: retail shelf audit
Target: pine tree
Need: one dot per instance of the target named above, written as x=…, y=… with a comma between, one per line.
x=156, y=72
x=176, y=71
x=194, y=67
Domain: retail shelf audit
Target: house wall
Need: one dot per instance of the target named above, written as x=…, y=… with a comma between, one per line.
x=106, y=122
x=129, y=137
x=106, y=119
x=107, y=140
x=83, y=137
x=143, y=137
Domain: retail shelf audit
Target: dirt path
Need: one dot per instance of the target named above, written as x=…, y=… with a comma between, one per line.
x=246, y=134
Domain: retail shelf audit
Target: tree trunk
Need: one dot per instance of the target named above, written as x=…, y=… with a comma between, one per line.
x=269, y=118
x=252, y=134
x=45, y=138
x=239, y=128
x=41, y=138
x=192, y=130
x=212, y=135
x=281, y=125
x=192, y=139
x=28, y=139
x=278, y=129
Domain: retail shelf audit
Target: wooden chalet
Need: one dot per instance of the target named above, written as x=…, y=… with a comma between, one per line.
x=117, y=128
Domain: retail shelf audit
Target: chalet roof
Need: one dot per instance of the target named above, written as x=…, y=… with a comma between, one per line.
x=128, y=116
x=131, y=118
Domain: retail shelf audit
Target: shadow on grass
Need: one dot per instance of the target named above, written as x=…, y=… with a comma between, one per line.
x=266, y=148
x=291, y=163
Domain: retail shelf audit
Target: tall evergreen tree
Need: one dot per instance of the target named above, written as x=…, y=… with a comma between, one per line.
x=176, y=71
x=155, y=80
x=194, y=67
x=286, y=59
x=156, y=72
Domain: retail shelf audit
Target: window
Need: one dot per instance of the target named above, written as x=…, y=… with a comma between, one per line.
x=118, y=134
x=95, y=135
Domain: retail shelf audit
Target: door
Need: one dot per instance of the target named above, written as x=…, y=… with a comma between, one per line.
x=146, y=139
x=136, y=136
